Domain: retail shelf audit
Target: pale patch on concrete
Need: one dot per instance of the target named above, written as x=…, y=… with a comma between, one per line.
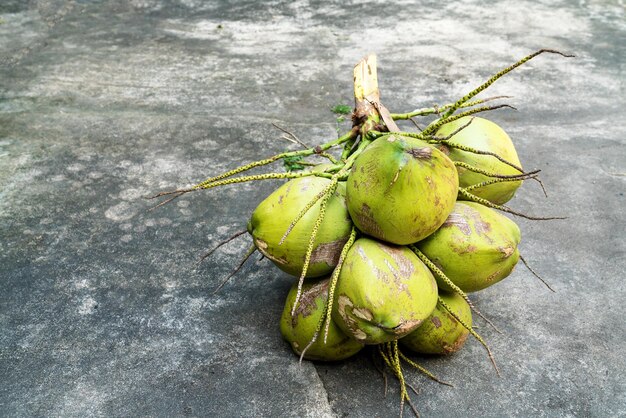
x=87, y=306
x=81, y=284
x=84, y=399
x=133, y=194
x=75, y=167
x=126, y=226
x=123, y=211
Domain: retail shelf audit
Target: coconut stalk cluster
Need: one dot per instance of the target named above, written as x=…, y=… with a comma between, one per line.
x=385, y=231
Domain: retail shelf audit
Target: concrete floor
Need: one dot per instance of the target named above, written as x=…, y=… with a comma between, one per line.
x=102, y=312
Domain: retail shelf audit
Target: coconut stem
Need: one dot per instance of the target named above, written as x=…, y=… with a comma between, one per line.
x=366, y=94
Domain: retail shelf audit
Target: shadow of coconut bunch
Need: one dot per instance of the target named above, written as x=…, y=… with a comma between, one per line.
x=391, y=231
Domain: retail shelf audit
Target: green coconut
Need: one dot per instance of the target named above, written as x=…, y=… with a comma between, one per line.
x=401, y=189
x=441, y=333
x=271, y=219
x=483, y=135
x=299, y=330
x=383, y=293
x=476, y=247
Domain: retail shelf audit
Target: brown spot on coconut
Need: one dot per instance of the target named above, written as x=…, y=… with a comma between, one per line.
x=435, y=320
x=458, y=221
x=328, y=252
x=307, y=304
x=420, y=153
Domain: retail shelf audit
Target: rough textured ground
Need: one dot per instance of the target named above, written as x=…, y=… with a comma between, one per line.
x=102, y=312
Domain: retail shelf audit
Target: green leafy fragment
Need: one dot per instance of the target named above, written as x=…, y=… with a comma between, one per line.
x=293, y=163
x=342, y=109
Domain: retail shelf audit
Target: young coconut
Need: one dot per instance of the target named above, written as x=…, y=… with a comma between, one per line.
x=271, y=219
x=384, y=292
x=401, y=189
x=300, y=328
x=441, y=333
x=476, y=247
x=484, y=135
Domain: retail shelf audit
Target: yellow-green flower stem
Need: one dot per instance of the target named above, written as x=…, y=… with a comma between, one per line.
x=307, y=207
x=268, y=176
x=333, y=281
x=445, y=141
x=341, y=175
x=531, y=175
x=438, y=109
x=390, y=354
x=471, y=331
x=218, y=180
x=495, y=77
x=396, y=361
x=500, y=177
x=325, y=318
x=422, y=369
x=433, y=127
x=437, y=271
x=472, y=197
x=524, y=176
x=474, y=151
x=330, y=189
x=302, y=153
x=309, y=252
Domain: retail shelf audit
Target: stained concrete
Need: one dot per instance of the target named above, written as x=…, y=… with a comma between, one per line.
x=102, y=311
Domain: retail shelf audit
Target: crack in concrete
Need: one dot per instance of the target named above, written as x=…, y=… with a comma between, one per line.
x=332, y=412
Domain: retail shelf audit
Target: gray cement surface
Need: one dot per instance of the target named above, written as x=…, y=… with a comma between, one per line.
x=102, y=312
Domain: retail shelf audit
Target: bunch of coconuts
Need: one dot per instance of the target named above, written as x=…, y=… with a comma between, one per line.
x=389, y=235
